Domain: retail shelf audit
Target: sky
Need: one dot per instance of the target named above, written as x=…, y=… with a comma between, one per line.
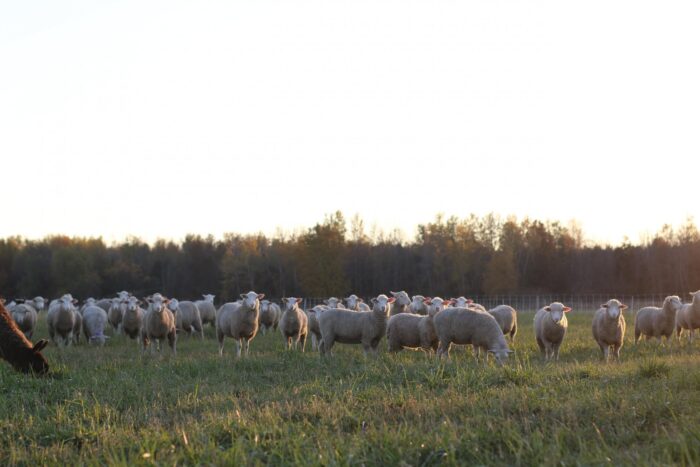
x=158, y=119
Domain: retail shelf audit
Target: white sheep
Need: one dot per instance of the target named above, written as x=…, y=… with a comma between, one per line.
x=38, y=303
x=158, y=324
x=550, y=328
x=115, y=314
x=334, y=302
x=314, y=329
x=61, y=320
x=410, y=331
x=132, y=321
x=187, y=317
x=464, y=326
x=418, y=305
x=294, y=323
x=507, y=318
x=401, y=303
x=270, y=314
x=353, y=302
x=688, y=317
x=239, y=320
x=94, y=323
x=25, y=315
x=207, y=310
x=609, y=328
x=105, y=304
x=355, y=327
x=652, y=321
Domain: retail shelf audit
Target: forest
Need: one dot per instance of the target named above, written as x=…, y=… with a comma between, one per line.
x=448, y=256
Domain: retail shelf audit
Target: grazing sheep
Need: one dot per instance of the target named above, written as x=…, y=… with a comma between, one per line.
x=115, y=314
x=355, y=327
x=353, y=302
x=17, y=350
x=418, y=306
x=464, y=326
x=609, y=328
x=409, y=331
x=25, y=316
x=187, y=317
x=294, y=323
x=507, y=318
x=314, y=329
x=158, y=324
x=550, y=328
x=656, y=322
x=132, y=321
x=207, y=310
x=334, y=303
x=688, y=317
x=270, y=314
x=94, y=323
x=401, y=303
x=62, y=320
x=239, y=320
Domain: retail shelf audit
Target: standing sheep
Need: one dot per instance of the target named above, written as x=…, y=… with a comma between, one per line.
x=25, y=316
x=115, y=314
x=94, y=323
x=609, y=328
x=418, y=306
x=507, y=318
x=17, y=350
x=158, y=324
x=688, y=317
x=314, y=329
x=270, y=314
x=401, y=303
x=355, y=327
x=409, y=331
x=464, y=326
x=353, y=302
x=550, y=328
x=62, y=320
x=294, y=323
x=334, y=302
x=187, y=317
x=656, y=322
x=239, y=320
x=132, y=321
x=207, y=310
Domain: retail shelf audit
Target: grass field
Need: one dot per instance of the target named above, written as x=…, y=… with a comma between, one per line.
x=112, y=406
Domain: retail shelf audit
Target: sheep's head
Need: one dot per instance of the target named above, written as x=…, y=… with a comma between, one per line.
x=333, y=302
x=124, y=295
x=672, y=304
x=32, y=360
x=436, y=305
x=402, y=298
x=252, y=299
x=462, y=302
x=501, y=355
x=382, y=304
x=132, y=304
x=157, y=302
x=115, y=304
x=556, y=311
x=695, y=295
x=264, y=305
x=67, y=302
x=209, y=297
x=613, y=308
x=89, y=302
x=417, y=301
x=353, y=302
x=290, y=303
x=100, y=339
x=174, y=305
x=39, y=303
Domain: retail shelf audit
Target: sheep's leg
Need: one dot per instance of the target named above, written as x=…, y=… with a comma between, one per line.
x=246, y=346
x=555, y=351
x=69, y=339
x=443, y=350
x=172, y=340
x=221, y=345
x=637, y=335
x=606, y=352
x=303, y=342
x=289, y=343
x=477, y=352
x=691, y=333
x=238, y=348
x=543, y=351
x=314, y=344
x=548, y=351
x=616, y=351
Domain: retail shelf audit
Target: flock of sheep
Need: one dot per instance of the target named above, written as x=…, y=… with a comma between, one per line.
x=417, y=322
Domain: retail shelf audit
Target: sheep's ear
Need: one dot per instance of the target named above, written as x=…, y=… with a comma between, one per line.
x=261, y=296
x=567, y=309
x=244, y=296
x=469, y=300
x=623, y=307
x=394, y=293
x=374, y=300
x=391, y=300
x=39, y=346
x=447, y=302
x=299, y=300
x=547, y=308
x=604, y=305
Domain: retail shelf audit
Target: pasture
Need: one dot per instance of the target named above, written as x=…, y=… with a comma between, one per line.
x=112, y=405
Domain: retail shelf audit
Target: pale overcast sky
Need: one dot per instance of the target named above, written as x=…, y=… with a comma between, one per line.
x=162, y=118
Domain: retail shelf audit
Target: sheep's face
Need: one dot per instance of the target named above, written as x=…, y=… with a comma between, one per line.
x=67, y=302
x=672, y=303
x=695, y=295
x=462, y=302
x=99, y=340
x=173, y=305
x=33, y=361
x=290, y=303
x=417, y=302
x=501, y=355
x=556, y=311
x=39, y=303
x=252, y=299
x=264, y=305
x=132, y=304
x=436, y=305
x=124, y=295
x=157, y=302
x=209, y=298
x=401, y=298
x=332, y=302
x=613, y=308
x=353, y=301
x=115, y=304
x=382, y=303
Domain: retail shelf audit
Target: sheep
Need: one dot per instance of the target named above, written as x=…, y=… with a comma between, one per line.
x=115, y=313
x=656, y=322
x=688, y=317
x=77, y=327
x=294, y=323
x=462, y=302
x=105, y=304
x=507, y=318
x=94, y=322
x=334, y=303
x=239, y=320
x=25, y=316
x=314, y=329
x=38, y=303
x=88, y=302
x=409, y=331
x=418, y=305
x=158, y=324
x=187, y=317
x=62, y=320
x=270, y=314
x=550, y=328
x=17, y=350
x=353, y=302
x=132, y=321
x=401, y=303
x=207, y=310
x=355, y=327
x=464, y=326
x=609, y=328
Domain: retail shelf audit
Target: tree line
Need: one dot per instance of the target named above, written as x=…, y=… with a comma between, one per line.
x=448, y=257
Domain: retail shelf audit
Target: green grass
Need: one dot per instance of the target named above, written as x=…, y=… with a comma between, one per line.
x=112, y=406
